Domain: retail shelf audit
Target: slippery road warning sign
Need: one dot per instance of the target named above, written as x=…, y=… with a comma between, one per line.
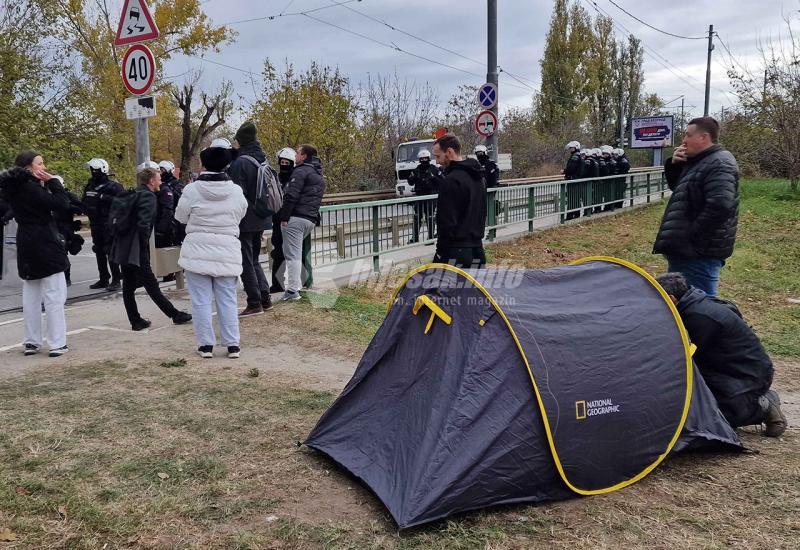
x=136, y=24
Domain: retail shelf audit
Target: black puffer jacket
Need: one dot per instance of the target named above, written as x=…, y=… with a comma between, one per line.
x=729, y=355
x=461, y=207
x=572, y=170
x=245, y=174
x=703, y=212
x=303, y=195
x=97, y=198
x=40, y=248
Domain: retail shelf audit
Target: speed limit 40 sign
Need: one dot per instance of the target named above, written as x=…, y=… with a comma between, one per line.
x=138, y=69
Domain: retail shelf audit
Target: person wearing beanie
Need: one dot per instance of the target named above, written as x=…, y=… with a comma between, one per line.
x=211, y=256
x=243, y=171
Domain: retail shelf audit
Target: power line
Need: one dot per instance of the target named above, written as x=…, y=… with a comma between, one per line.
x=655, y=28
x=282, y=14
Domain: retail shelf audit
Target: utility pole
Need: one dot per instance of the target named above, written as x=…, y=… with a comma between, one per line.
x=708, y=68
x=142, y=140
x=620, y=115
x=491, y=70
x=683, y=119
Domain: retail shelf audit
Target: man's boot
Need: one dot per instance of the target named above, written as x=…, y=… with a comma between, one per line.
x=774, y=418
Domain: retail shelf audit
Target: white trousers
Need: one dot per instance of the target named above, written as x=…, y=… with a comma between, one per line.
x=52, y=291
x=293, y=234
x=203, y=292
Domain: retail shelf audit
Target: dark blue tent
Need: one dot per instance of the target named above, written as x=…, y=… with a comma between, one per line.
x=498, y=386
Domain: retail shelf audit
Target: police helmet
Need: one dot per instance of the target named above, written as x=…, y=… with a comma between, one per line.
x=573, y=145
x=606, y=149
x=166, y=165
x=287, y=153
x=480, y=150
x=98, y=164
x=145, y=165
x=619, y=152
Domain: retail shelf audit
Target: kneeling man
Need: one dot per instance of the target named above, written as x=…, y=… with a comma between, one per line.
x=730, y=357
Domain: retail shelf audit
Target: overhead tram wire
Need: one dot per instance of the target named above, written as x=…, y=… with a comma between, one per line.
x=647, y=49
x=646, y=24
x=282, y=14
x=397, y=48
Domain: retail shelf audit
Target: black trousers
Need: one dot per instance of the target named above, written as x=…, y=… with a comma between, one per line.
x=424, y=209
x=253, y=278
x=101, y=246
x=464, y=257
x=742, y=410
x=134, y=277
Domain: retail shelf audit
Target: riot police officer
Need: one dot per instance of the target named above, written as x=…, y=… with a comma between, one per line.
x=175, y=186
x=491, y=173
x=425, y=181
x=572, y=171
x=97, y=196
x=606, y=187
x=623, y=167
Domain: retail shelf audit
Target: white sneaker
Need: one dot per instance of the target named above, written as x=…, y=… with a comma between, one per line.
x=233, y=352
x=31, y=349
x=206, y=352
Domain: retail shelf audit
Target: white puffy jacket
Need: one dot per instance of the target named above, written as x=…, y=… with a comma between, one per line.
x=212, y=211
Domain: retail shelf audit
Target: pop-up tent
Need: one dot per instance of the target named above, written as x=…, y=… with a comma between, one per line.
x=493, y=387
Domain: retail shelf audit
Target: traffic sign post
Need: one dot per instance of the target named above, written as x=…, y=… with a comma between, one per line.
x=136, y=24
x=487, y=96
x=486, y=123
x=138, y=69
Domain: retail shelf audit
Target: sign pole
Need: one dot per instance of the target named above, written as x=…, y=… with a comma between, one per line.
x=142, y=140
x=491, y=70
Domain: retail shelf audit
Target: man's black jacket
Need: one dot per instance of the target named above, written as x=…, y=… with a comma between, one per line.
x=461, y=206
x=729, y=355
x=703, y=212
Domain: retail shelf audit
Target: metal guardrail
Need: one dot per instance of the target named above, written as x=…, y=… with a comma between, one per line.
x=371, y=229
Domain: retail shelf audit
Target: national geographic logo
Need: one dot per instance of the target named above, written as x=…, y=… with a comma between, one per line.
x=584, y=409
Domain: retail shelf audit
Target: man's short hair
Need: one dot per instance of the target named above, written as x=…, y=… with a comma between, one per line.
x=674, y=284
x=709, y=125
x=308, y=150
x=449, y=141
x=144, y=177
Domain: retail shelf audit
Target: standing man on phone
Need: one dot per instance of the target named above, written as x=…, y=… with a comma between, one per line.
x=698, y=229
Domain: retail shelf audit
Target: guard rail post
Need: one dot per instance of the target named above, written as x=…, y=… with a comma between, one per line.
x=634, y=186
x=376, y=236
x=491, y=200
x=648, y=187
x=562, y=201
x=340, y=244
x=531, y=208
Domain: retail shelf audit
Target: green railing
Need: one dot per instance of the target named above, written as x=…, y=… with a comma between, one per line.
x=371, y=229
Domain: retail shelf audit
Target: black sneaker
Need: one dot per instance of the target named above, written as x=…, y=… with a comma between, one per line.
x=99, y=284
x=266, y=303
x=206, y=352
x=233, y=352
x=58, y=352
x=114, y=286
x=141, y=324
x=31, y=349
x=182, y=318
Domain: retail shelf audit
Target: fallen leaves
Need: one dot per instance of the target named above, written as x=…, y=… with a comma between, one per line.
x=7, y=535
x=20, y=490
x=163, y=476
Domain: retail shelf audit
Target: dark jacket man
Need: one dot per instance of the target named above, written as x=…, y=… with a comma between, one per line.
x=730, y=357
x=702, y=214
x=245, y=174
x=425, y=179
x=97, y=197
x=40, y=248
x=165, y=216
x=461, y=215
x=491, y=173
x=572, y=170
x=303, y=195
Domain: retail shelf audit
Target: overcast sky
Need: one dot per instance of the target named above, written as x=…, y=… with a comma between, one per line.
x=460, y=26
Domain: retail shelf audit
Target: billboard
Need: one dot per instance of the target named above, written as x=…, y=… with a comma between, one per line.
x=651, y=132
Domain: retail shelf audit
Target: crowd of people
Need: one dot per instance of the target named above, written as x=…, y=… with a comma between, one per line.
x=220, y=219
x=594, y=197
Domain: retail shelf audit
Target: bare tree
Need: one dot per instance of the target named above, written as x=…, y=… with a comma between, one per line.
x=197, y=126
x=770, y=98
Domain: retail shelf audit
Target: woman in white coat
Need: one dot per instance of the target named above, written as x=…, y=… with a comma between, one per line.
x=211, y=254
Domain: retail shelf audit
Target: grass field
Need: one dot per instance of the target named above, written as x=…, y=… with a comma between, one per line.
x=179, y=454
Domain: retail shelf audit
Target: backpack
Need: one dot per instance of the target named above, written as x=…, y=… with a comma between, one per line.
x=122, y=215
x=269, y=194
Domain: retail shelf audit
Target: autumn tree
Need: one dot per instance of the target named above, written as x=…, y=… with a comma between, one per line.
x=313, y=106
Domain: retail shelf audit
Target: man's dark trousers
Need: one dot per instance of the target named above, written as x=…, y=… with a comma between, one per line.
x=463, y=257
x=133, y=277
x=253, y=279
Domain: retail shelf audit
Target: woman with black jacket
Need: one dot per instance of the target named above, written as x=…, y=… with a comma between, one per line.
x=35, y=196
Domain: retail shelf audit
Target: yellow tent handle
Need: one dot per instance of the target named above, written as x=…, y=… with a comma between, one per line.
x=692, y=349
x=436, y=311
